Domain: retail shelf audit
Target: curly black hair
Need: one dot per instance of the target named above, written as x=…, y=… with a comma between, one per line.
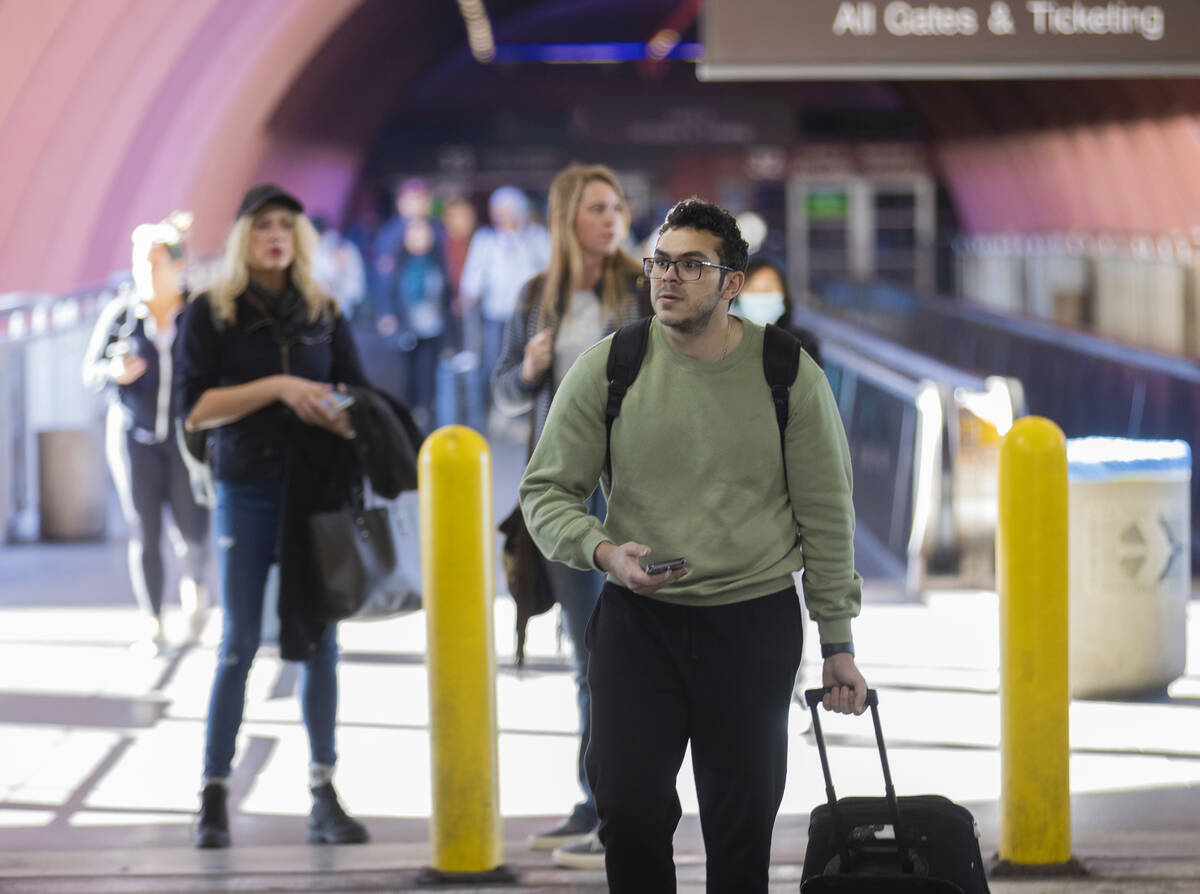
x=697, y=214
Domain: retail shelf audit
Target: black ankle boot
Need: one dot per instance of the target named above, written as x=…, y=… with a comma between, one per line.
x=212, y=823
x=329, y=823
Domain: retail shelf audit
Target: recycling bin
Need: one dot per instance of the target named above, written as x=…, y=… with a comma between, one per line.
x=1129, y=564
x=72, y=484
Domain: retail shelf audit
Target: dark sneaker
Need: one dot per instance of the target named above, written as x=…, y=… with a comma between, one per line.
x=570, y=831
x=329, y=823
x=586, y=854
x=212, y=823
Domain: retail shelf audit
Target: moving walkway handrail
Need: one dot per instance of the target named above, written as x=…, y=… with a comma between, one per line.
x=890, y=531
x=1087, y=384
x=924, y=436
x=1049, y=334
x=878, y=374
x=1058, y=337
x=834, y=332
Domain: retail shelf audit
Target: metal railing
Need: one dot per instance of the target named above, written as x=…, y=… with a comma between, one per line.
x=1087, y=384
x=923, y=436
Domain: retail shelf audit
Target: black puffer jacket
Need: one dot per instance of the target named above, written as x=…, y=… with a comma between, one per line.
x=386, y=442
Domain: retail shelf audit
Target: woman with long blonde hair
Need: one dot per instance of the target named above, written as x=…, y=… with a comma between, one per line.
x=130, y=357
x=589, y=290
x=262, y=358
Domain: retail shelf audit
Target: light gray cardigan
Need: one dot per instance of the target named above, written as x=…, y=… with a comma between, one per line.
x=511, y=393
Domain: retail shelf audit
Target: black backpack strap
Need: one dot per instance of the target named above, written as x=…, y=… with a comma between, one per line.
x=624, y=360
x=781, y=363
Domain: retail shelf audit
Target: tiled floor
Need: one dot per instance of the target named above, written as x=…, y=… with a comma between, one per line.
x=100, y=746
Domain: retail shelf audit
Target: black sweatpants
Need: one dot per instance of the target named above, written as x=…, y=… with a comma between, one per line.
x=721, y=677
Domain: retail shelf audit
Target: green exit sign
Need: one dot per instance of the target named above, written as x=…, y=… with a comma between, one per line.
x=827, y=205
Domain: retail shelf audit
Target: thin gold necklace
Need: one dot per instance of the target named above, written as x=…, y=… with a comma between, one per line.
x=725, y=350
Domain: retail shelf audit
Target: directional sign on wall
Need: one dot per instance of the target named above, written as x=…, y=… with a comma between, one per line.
x=871, y=39
x=1149, y=550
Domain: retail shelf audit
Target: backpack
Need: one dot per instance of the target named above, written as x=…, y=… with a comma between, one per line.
x=781, y=362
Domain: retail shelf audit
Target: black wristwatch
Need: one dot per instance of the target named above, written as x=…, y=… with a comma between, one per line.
x=830, y=649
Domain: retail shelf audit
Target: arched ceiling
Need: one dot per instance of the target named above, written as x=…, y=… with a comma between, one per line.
x=1116, y=156
x=117, y=112
x=114, y=113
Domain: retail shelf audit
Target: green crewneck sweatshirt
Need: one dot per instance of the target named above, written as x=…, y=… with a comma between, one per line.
x=697, y=471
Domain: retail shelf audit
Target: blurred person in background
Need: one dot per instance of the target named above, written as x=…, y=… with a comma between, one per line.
x=130, y=355
x=589, y=289
x=338, y=268
x=754, y=230
x=500, y=260
x=258, y=360
x=415, y=315
x=414, y=201
x=362, y=226
x=459, y=220
x=765, y=298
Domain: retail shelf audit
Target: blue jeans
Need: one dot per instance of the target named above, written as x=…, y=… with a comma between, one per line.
x=493, y=341
x=577, y=592
x=247, y=533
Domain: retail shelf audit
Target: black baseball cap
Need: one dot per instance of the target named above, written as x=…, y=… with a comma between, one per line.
x=258, y=197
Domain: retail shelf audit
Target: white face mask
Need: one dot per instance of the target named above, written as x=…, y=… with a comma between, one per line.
x=760, y=307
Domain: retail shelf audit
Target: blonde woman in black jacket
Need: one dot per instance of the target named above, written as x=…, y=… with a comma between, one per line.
x=260, y=360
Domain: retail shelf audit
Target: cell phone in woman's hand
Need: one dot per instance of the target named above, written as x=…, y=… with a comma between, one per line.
x=336, y=401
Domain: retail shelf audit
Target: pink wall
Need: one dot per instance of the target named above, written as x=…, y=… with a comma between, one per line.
x=118, y=112
x=1140, y=176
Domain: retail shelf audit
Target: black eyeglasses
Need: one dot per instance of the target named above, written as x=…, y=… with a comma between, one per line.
x=687, y=269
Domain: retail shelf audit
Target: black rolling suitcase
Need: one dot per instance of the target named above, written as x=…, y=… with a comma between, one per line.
x=888, y=845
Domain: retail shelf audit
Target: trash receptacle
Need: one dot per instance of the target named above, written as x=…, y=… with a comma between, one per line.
x=72, y=484
x=1130, y=564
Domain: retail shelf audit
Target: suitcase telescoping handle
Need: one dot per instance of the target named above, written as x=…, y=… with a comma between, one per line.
x=813, y=698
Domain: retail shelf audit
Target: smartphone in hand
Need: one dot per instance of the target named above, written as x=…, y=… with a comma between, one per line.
x=665, y=565
x=336, y=401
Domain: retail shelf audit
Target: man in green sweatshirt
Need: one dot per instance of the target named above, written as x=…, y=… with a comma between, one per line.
x=707, y=653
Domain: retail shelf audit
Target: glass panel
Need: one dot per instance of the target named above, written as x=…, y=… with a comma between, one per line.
x=827, y=210
x=896, y=236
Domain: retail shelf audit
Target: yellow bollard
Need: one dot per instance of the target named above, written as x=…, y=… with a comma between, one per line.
x=1031, y=578
x=457, y=537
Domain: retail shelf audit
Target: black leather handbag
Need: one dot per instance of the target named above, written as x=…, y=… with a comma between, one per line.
x=525, y=572
x=361, y=563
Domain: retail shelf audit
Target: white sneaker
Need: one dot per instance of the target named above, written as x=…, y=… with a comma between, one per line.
x=194, y=600
x=586, y=854
x=566, y=833
x=153, y=642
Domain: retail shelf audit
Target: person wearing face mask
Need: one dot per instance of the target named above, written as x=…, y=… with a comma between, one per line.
x=766, y=299
x=130, y=355
x=260, y=361
x=590, y=289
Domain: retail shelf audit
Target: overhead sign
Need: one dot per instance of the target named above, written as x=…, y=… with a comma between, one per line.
x=857, y=40
x=681, y=124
